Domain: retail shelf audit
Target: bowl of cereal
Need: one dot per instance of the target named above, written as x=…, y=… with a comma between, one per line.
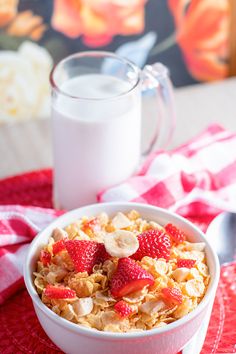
x=122, y=278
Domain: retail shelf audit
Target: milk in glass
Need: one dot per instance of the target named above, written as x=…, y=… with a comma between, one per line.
x=96, y=137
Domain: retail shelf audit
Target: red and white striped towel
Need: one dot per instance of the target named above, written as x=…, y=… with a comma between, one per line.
x=197, y=180
x=18, y=226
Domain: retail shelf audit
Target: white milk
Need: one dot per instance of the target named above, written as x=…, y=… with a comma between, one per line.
x=96, y=142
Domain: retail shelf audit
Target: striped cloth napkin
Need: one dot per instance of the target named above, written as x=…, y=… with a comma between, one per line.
x=18, y=226
x=196, y=180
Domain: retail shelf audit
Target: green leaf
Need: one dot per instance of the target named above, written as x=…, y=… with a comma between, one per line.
x=9, y=42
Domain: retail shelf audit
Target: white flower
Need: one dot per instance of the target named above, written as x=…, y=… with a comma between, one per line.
x=24, y=83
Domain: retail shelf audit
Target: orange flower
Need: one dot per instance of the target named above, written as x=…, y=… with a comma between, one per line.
x=8, y=10
x=26, y=24
x=98, y=21
x=202, y=30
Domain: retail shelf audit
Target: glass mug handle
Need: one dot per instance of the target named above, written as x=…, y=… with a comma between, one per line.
x=157, y=76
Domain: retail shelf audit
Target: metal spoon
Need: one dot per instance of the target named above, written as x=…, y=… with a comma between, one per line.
x=221, y=233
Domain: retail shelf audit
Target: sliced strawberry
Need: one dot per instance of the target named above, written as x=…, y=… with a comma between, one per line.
x=102, y=254
x=58, y=247
x=172, y=296
x=185, y=263
x=175, y=234
x=153, y=243
x=91, y=226
x=45, y=257
x=129, y=277
x=56, y=292
x=123, y=309
x=85, y=254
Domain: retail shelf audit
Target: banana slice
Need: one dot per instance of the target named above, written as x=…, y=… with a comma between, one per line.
x=83, y=306
x=120, y=221
x=197, y=246
x=151, y=307
x=180, y=274
x=58, y=234
x=121, y=243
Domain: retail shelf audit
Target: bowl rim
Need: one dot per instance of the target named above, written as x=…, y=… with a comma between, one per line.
x=90, y=332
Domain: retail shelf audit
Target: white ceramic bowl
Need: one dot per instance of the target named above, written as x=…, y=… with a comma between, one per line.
x=73, y=339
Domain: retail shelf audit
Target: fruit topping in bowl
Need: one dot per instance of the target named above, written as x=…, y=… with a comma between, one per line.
x=121, y=274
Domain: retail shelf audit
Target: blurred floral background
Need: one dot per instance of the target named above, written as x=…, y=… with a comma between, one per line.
x=189, y=36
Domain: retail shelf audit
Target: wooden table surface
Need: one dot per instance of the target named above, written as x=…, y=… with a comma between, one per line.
x=27, y=146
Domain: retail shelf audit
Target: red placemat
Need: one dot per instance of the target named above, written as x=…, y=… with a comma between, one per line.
x=33, y=188
x=20, y=330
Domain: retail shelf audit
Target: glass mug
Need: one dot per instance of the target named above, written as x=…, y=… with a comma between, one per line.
x=96, y=122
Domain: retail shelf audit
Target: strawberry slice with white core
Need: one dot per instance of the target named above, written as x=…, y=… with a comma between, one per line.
x=123, y=309
x=45, y=257
x=177, y=236
x=56, y=292
x=129, y=277
x=172, y=296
